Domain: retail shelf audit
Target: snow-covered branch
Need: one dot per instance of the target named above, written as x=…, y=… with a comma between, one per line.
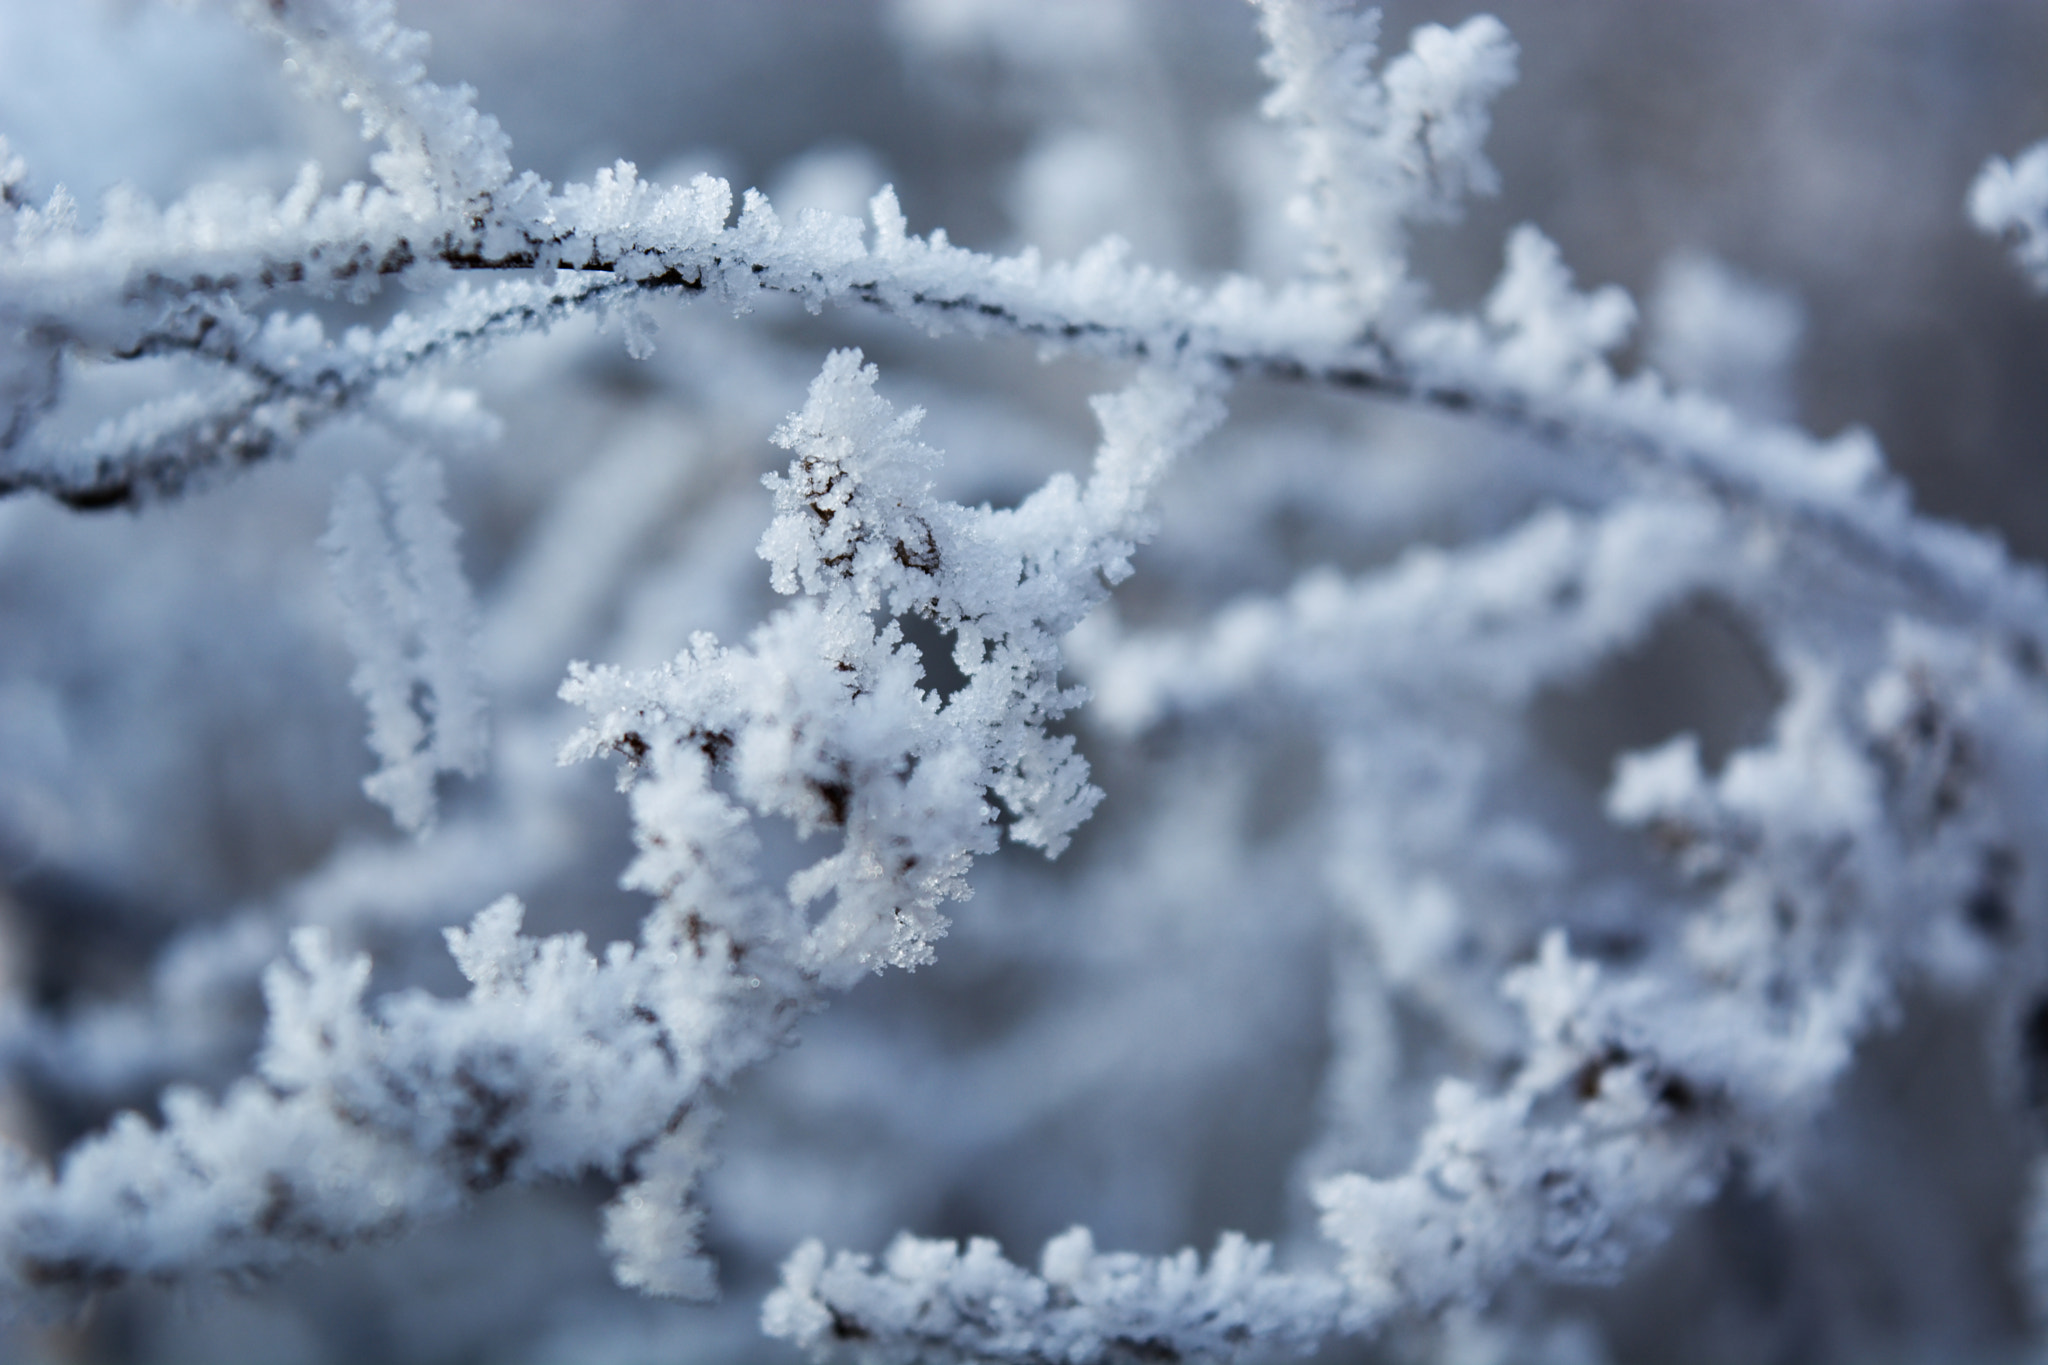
x=931, y=1301
x=823, y=719
x=175, y=280
x=1500, y=619
x=410, y=623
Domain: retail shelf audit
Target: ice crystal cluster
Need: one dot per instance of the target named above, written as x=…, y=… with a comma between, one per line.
x=726, y=909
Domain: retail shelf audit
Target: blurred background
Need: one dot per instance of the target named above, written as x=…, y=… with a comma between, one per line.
x=180, y=755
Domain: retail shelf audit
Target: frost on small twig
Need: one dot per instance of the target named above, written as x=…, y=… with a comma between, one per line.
x=932, y=1301
x=1499, y=619
x=440, y=153
x=2009, y=199
x=1379, y=152
x=822, y=719
x=411, y=623
x=369, y=1121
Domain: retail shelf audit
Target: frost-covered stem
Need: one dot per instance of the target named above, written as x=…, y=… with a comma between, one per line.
x=932, y=1301
x=410, y=622
x=1379, y=153
x=441, y=152
x=148, y=283
x=294, y=381
x=1500, y=620
x=172, y=282
x=366, y=1122
x=629, y=239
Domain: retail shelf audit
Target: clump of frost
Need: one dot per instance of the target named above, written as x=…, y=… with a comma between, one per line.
x=932, y=1300
x=1379, y=152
